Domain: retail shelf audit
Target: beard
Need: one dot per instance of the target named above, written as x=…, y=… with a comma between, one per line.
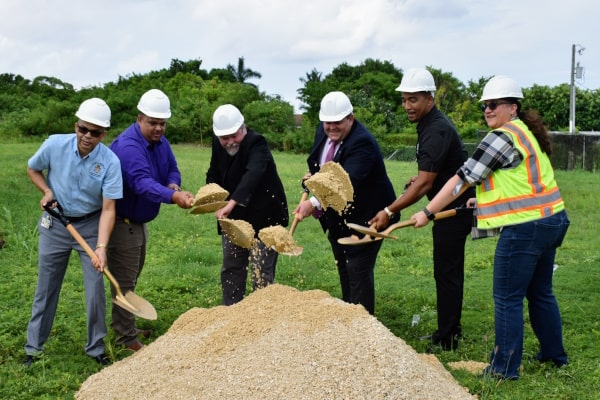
x=232, y=149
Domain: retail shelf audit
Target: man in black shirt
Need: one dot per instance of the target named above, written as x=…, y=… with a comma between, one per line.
x=440, y=152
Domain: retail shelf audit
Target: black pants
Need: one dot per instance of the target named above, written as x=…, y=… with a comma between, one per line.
x=356, y=265
x=449, y=237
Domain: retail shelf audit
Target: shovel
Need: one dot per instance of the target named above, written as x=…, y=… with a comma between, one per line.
x=372, y=234
x=286, y=248
x=208, y=207
x=130, y=301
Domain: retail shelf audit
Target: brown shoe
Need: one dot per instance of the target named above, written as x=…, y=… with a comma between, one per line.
x=135, y=346
x=146, y=333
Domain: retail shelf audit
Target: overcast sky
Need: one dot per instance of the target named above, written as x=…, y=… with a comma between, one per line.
x=92, y=42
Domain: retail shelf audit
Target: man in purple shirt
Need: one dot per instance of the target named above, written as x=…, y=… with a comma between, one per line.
x=150, y=177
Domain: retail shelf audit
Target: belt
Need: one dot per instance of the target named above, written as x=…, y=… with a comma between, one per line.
x=128, y=221
x=83, y=217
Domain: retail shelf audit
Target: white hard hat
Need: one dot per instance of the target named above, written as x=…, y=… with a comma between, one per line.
x=417, y=80
x=335, y=106
x=155, y=104
x=501, y=87
x=227, y=119
x=95, y=111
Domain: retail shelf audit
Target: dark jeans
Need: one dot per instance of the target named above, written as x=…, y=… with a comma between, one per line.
x=356, y=265
x=126, y=254
x=523, y=268
x=449, y=237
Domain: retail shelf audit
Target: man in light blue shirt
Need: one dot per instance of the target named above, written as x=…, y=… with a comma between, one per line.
x=84, y=176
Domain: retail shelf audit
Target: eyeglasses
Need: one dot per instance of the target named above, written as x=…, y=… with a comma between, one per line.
x=492, y=105
x=94, y=132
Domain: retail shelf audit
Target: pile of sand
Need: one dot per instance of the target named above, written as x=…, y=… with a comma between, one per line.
x=278, y=343
x=331, y=186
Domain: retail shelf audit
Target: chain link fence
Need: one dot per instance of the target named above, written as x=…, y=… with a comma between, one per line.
x=569, y=151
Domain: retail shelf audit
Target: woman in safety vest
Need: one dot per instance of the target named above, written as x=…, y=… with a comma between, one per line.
x=517, y=197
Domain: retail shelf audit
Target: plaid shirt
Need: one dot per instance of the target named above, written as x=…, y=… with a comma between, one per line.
x=495, y=151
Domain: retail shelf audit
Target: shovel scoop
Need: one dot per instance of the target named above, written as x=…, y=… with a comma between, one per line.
x=238, y=231
x=128, y=301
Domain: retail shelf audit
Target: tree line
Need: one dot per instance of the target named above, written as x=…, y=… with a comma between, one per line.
x=45, y=105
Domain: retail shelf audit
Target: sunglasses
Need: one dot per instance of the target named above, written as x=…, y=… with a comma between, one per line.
x=492, y=105
x=84, y=131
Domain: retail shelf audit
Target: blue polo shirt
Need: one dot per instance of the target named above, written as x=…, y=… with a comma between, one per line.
x=147, y=170
x=79, y=184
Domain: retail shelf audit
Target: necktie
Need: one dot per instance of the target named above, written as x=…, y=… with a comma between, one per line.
x=330, y=152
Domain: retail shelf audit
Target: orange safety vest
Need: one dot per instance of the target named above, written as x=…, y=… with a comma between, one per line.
x=525, y=193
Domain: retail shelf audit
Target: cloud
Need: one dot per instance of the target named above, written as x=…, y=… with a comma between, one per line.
x=94, y=42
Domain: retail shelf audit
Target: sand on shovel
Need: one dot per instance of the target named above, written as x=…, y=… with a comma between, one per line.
x=209, y=198
x=331, y=186
x=239, y=232
x=277, y=343
x=279, y=239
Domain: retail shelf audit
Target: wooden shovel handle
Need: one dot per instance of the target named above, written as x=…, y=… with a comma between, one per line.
x=296, y=220
x=94, y=257
x=412, y=222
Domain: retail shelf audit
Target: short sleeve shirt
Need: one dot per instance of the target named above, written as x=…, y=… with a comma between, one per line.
x=79, y=184
x=439, y=148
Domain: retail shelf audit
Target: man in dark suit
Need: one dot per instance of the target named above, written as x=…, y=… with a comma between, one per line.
x=351, y=145
x=242, y=163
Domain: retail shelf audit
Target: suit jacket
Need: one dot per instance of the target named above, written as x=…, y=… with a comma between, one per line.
x=360, y=156
x=252, y=180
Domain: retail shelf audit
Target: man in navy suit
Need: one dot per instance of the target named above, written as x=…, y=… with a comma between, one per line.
x=351, y=145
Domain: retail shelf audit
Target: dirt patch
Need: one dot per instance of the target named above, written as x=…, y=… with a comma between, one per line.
x=473, y=367
x=278, y=343
x=331, y=186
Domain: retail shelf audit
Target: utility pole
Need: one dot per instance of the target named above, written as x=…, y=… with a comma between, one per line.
x=576, y=72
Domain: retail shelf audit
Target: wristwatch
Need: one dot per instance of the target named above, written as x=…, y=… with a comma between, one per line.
x=389, y=212
x=428, y=214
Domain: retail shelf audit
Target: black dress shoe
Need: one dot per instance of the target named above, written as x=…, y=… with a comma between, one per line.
x=28, y=361
x=102, y=359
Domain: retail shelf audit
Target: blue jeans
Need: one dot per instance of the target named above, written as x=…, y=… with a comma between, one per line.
x=523, y=268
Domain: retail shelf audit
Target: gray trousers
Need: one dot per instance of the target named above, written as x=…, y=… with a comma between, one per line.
x=234, y=270
x=126, y=254
x=54, y=249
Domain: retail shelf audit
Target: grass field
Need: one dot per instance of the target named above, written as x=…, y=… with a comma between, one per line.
x=182, y=271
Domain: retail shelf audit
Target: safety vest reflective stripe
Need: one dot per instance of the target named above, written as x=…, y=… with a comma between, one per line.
x=533, y=167
x=528, y=202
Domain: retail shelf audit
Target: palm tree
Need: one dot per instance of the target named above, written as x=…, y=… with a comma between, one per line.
x=241, y=74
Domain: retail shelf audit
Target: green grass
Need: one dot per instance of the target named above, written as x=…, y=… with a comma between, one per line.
x=182, y=271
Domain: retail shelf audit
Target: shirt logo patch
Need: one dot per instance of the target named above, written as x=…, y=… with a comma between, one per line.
x=97, y=170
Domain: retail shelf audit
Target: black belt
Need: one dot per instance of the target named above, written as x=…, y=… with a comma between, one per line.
x=83, y=217
x=128, y=221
